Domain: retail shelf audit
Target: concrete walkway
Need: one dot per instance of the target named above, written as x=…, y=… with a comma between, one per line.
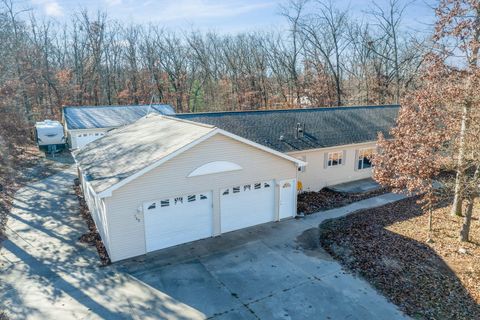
x=358, y=186
x=272, y=271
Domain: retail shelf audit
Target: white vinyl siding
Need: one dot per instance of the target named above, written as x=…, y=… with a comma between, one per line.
x=318, y=175
x=127, y=234
x=79, y=138
x=97, y=209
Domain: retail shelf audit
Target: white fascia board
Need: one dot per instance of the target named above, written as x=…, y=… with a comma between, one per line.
x=108, y=192
x=91, y=130
x=262, y=147
x=343, y=146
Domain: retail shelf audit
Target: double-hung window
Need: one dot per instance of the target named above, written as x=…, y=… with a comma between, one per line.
x=364, y=160
x=335, y=158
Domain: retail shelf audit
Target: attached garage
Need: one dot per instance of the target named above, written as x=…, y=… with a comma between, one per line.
x=164, y=181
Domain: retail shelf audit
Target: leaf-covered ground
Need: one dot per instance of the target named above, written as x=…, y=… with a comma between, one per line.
x=92, y=237
x=325, y=199
x=387, y=246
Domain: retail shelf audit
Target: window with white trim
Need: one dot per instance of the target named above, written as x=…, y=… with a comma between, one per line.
x=364, y=160
x=335, y=158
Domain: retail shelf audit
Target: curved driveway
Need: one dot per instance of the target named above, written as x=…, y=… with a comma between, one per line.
x=273, y=271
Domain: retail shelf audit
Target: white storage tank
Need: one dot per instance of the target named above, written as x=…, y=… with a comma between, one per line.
x=50, y=135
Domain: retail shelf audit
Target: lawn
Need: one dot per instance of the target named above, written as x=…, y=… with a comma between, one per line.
x=387, y=246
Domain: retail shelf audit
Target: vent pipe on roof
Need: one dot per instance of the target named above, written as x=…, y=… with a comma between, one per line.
x=299, y=130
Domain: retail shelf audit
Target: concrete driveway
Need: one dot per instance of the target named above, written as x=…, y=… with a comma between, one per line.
x=273, y=271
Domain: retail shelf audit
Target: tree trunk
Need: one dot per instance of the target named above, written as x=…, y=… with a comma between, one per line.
x=467, y=220
x=457, y=201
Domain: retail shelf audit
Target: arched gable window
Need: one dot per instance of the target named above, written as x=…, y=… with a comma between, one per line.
x=215, y=167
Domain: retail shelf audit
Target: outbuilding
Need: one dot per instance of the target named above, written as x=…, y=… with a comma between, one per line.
x=84, y=124
x=164, y=181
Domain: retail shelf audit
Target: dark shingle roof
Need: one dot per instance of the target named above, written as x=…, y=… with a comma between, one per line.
x=91, y=117
x=324, y=127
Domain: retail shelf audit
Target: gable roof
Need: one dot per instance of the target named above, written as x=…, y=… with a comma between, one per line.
x=92, y=117
x=126, y=153
x=324, y=127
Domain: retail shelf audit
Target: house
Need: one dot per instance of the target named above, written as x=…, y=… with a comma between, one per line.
x=87, y=123
x=335, y=142
x=163, y=181
x=167, y=180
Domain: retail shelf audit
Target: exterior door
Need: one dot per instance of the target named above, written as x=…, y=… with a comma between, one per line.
x=247, y=205
x=177, y=220
x=287, y=198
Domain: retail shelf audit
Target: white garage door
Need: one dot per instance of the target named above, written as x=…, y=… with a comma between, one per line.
x=247, y=205
x=177, y=220
x=84, y=138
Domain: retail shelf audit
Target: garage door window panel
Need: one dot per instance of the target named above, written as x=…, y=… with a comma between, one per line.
x=152, y=206
x=164, y=203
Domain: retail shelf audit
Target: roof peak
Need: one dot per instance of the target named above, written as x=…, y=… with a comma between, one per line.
x=290, y=110
x=116, y=106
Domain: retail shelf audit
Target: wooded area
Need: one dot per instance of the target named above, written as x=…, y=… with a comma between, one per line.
x=434, y=150
x=324, y=58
